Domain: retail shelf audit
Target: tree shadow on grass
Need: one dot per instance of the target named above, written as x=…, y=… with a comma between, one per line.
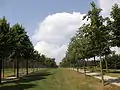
x=34, y=77
x=31, y=77
x=17, y=87
x=24, y=82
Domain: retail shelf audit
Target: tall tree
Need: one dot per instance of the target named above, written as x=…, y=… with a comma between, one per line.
x=19, y=47
x=98, y=31
x=115, y=25
x=5, y=41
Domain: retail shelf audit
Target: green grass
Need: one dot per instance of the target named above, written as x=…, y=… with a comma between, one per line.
x=113, y=74
x=56, y=79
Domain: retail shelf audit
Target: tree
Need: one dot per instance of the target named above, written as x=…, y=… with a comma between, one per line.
x=115, y=25
x=28, y=53
x=16, y=47
x=20, y=44
x=5, y=41
x=98, y=31
x=113, y=61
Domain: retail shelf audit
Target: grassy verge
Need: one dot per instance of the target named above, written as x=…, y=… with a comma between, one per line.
x=56, y=79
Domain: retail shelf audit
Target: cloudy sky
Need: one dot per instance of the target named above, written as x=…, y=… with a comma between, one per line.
x=50, y=23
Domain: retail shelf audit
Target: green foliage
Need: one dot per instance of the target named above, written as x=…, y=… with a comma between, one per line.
x=5, y=38
x=92, y=39
x=115, y=25
x=16, y=47
x=113, y=61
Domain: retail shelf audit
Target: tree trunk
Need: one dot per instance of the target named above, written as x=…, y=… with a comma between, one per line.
x=84, y=67
x=94, y=63
x=73, y=67
x=27, y=66
x=33, y=67
x=101, y=71
x=87, y=65
x=14, y=67
x=3, y=68
x=37, y=67
x=77, y=69
x=115, y=65
x=0, y=70
x=106, y=64
x=17, y=68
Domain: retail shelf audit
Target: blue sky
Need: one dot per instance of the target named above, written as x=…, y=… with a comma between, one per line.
x=31, y=12
x=50, y=23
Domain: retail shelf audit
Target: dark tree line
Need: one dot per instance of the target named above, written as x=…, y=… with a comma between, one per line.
x=16, y=47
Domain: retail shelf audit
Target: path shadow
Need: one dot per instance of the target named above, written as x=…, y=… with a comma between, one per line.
x=113, y=80
x=114, y=71
x=24, y=82
x=97, y=75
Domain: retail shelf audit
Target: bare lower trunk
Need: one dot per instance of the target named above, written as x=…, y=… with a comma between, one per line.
x=33, y=67
x=14, y=68
x=3, y=68
x=37, y=67
x=106, y=64
x=102, y=78
x=84, y=67
x=17, y=69
x=77, y=69
x=27, y=67
x=94, y=63
x=87, y=63
x=73, y=67
x=0, y=70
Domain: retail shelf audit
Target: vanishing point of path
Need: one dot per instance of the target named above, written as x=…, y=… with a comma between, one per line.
x=56, y=79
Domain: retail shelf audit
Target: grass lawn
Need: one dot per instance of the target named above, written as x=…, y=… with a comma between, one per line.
x=56, y=79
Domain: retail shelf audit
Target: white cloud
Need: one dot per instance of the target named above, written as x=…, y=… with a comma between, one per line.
x=51, y=50
x=54, y=33
x=106, y=5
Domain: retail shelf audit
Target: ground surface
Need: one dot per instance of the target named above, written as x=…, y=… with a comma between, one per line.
x=56, y=79
x=10, y=72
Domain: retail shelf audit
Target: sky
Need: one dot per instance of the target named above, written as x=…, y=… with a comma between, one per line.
x=51, y=23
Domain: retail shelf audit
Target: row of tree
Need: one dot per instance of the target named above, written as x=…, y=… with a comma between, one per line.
x=16, y=47
x=94, y=39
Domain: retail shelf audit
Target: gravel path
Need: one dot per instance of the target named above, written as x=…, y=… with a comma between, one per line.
x=109, y=79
